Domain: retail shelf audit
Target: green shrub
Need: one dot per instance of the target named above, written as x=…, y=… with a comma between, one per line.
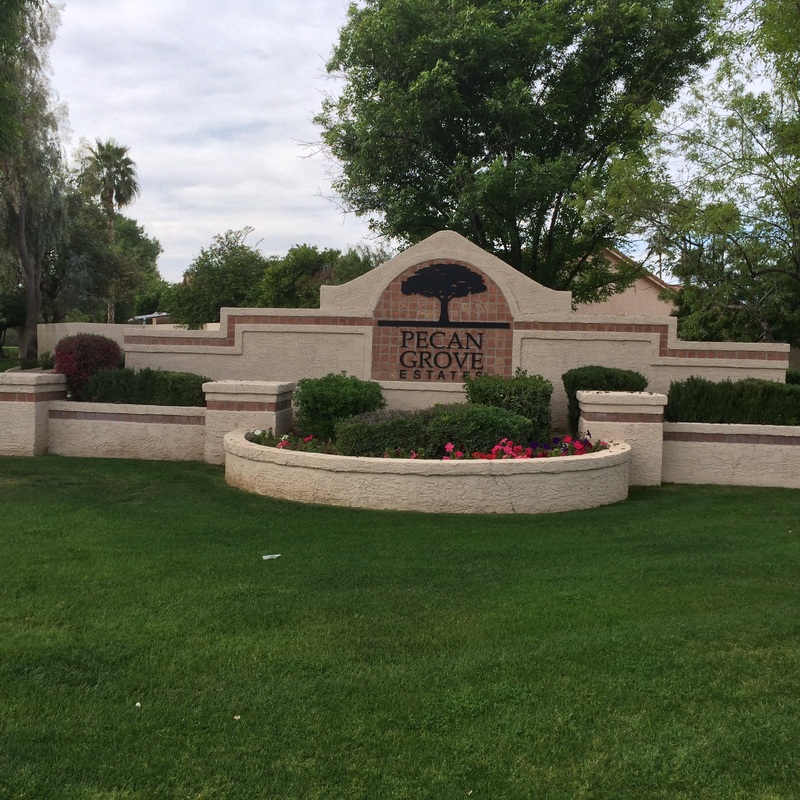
x=47, y=360
x=745, y=402
x=146, y=387
x=526, y=395
x=377, y=433
x=471, y=427
x=80, y=356
x=597, y=378
x=793, y=376
x=321, y=402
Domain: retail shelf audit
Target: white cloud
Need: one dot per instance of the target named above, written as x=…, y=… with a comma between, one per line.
x=214, y=101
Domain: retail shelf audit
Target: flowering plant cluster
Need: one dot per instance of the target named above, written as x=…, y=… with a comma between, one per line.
x=504, y=449
x=291, y=441
x=568, y=446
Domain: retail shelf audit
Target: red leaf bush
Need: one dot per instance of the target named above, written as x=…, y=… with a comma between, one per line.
x=80, y=356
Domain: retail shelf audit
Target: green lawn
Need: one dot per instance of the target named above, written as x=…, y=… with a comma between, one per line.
x=7, y=363
x=645, y=650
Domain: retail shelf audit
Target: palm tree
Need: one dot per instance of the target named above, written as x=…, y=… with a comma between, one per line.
x=111, y=175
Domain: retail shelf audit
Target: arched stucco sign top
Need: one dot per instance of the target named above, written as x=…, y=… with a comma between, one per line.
x=438, y=320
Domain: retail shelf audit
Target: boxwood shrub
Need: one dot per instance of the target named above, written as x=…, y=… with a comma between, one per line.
x=321, y=402
x=378, y=433
x=471, y=427
x=146, y=387
x=80, y=356
x=468, y=426
x=597, y=378
x=745, y=402
x=526, y=395
x=793, y=376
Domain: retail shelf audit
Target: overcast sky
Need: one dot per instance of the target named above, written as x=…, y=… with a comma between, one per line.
x=214, y=101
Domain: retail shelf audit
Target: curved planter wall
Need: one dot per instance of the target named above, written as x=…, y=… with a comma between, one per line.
x=524, y=486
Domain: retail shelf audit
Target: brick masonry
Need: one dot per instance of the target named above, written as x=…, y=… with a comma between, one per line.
x=102, y=416
x=613, y=416
x=477, y=338
x=664, y=350
x=247, y=405
x=30, y=397
x=731, y=438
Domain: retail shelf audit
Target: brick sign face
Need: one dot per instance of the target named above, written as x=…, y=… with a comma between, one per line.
x=439, y=320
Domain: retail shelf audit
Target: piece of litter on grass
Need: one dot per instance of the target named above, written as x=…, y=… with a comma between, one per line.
x=269, y=558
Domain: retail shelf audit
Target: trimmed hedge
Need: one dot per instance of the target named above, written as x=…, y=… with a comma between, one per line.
x=378, y=433
x=525, y=395
x=471, y=427
x=745, y=402
x=321, y=402
x=146, y=387
x=793, y=376
x=468, y=426
x=601, y=379
x=80, y=356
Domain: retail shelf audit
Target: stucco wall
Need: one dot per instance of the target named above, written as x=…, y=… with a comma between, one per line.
x=736, y=455
x=640, y=300
x=103, y=430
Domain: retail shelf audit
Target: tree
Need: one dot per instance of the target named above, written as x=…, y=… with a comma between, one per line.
x=12, y=32
x=32, y=174
x=294, y=281
x=110, y=174
x=444, y=282
x=81, y=268
x=503, y=121
x=726, y=220
x=226, y=274
x=12, y=313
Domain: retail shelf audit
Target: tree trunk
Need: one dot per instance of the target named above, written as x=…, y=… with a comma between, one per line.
x=32, y=275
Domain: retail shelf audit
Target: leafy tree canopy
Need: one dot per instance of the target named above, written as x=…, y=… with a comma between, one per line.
x=294, y=281
x=722, y=209
x=32, y=172
x=226, y=274
x=503, y=120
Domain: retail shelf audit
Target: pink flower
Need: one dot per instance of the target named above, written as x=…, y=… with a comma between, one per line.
x=446, y=458
x=308, y=438
x=459, y=454
x=449, y=447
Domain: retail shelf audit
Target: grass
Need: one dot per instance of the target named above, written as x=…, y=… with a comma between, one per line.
x=645, y=650
x=7, y=363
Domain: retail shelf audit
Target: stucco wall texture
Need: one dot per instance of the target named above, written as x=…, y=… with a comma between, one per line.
x=376, y=327
x=525, y=486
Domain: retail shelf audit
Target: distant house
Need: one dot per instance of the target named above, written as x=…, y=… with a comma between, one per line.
x=639, y=300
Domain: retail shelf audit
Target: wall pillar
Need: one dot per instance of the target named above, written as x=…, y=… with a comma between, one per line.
x=24, y=410
x=231, y=405
x=633, y=417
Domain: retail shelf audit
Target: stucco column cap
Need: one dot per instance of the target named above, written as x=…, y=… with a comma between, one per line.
x=595, y=398
x=32, y=379
x=248, y=387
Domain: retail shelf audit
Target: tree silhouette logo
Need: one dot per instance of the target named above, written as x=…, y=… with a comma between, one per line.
x=445, y=282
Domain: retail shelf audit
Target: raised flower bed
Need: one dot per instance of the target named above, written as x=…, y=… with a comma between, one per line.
x=473, y=486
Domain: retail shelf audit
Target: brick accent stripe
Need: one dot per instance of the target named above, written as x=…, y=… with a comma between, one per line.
x=247, y=405
x=664, y=351
x=235, y=320
x=227, y=339
x=731, y=438
x=103, y=416
x=614, y=416
x=30, y=397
